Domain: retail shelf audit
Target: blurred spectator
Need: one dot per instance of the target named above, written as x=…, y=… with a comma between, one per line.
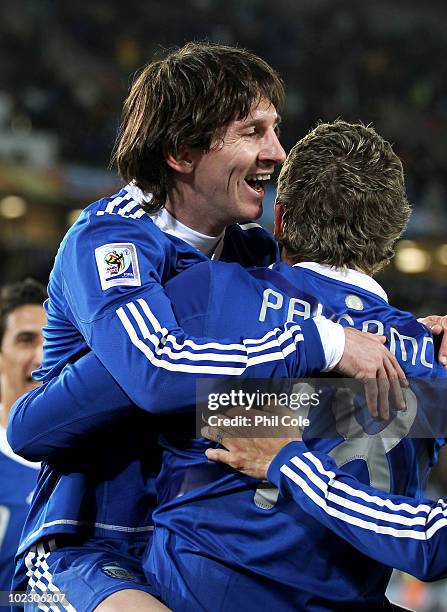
x=22, y=317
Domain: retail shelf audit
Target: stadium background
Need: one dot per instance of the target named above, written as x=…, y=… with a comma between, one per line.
x=65, y=69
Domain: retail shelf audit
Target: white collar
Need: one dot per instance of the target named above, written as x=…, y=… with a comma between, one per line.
x=211, y=246
x=7, y=450
x=353, y=277
x=208, y=245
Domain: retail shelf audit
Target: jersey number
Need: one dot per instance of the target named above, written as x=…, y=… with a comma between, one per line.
x=357, y=444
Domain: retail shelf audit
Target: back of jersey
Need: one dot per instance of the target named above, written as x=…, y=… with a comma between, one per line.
x=223, y=539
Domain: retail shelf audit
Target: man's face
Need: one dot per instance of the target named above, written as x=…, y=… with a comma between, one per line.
x=231, y=177
x=21, y=350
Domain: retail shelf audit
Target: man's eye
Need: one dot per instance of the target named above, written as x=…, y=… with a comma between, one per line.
x=25, y=339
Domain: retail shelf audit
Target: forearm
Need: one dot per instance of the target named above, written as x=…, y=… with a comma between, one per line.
x=65, y=411
x=85, y=397
x=398, y=531
x=157, y=363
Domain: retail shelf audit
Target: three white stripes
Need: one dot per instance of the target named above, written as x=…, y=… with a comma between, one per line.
x=305, y=474
x=126, y=206
x=40, y=579
x=163, y=356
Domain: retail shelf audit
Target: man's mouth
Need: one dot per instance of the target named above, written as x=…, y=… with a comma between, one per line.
x=257, y=182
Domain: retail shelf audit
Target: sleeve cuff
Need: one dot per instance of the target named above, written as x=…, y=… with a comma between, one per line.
x=333, y=340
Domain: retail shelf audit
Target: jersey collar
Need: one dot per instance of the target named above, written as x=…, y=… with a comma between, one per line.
x=207, y=245
x=353, y=277
x=211, y=246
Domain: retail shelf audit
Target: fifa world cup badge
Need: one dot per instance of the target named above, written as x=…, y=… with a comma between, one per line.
x=117, y=264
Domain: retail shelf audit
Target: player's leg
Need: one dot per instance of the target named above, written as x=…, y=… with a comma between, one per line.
x=131, y=600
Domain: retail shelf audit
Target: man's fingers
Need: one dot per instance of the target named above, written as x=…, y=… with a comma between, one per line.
x=213, y=433
x=219, y=454
x=438, y=325
x=371, y=393
x=383, y=386
x=396, y=367
x=396, y=386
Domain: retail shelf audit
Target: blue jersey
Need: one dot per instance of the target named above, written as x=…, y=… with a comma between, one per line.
x=106, y=295
x=18, y=479
x=222, y=539
x=399, y=531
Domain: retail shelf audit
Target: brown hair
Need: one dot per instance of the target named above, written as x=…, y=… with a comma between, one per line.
x=185, y=100
x=343, y=198
x=14, y=295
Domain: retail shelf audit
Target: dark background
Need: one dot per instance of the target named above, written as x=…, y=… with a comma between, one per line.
x=65, y=68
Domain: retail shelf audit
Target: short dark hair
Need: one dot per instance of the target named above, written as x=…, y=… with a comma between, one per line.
x=343, y=197
x=185, y=100
x=21, y=293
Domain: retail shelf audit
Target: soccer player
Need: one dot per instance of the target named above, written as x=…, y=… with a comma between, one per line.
x=225, y=541
x=22, y=317
x=196, y=164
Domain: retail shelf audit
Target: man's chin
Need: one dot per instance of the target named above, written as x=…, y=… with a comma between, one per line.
x=254, y=216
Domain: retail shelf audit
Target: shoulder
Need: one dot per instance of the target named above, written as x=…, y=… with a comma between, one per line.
x=114, y=216
x=250, y=244
x=127, y=204
x=114, y=238
x=189, y=291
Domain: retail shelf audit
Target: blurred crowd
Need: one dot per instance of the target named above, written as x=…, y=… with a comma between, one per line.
x=67, y=67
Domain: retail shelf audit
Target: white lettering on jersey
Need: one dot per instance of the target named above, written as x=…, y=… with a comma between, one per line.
x=424, y=362
x=294, y=307
x=270, y=299
x=394, y=334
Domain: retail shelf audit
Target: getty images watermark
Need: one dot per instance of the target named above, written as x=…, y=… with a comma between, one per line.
x=263, y=408
x=323, y=407
x=259, y=399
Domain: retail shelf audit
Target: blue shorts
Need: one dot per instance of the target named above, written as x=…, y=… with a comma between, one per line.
x=86, y=571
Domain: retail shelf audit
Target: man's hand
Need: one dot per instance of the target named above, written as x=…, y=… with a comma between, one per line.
x=365, y=358
x=438, y=326
x=251, y=456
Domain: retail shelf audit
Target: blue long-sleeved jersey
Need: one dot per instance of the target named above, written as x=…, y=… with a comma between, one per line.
x=106, y=295
x=400, y=531
x=223, y=540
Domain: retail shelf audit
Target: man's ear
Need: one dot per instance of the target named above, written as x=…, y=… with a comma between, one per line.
x=277, y=230
x=183, y=162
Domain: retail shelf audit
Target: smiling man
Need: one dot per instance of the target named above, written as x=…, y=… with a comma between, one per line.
x=22, y=317
x=226, y=184
x=197, y=142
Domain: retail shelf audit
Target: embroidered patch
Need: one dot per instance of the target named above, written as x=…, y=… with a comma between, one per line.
x=118, y=265
x=354, y=302
x=116, y=571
